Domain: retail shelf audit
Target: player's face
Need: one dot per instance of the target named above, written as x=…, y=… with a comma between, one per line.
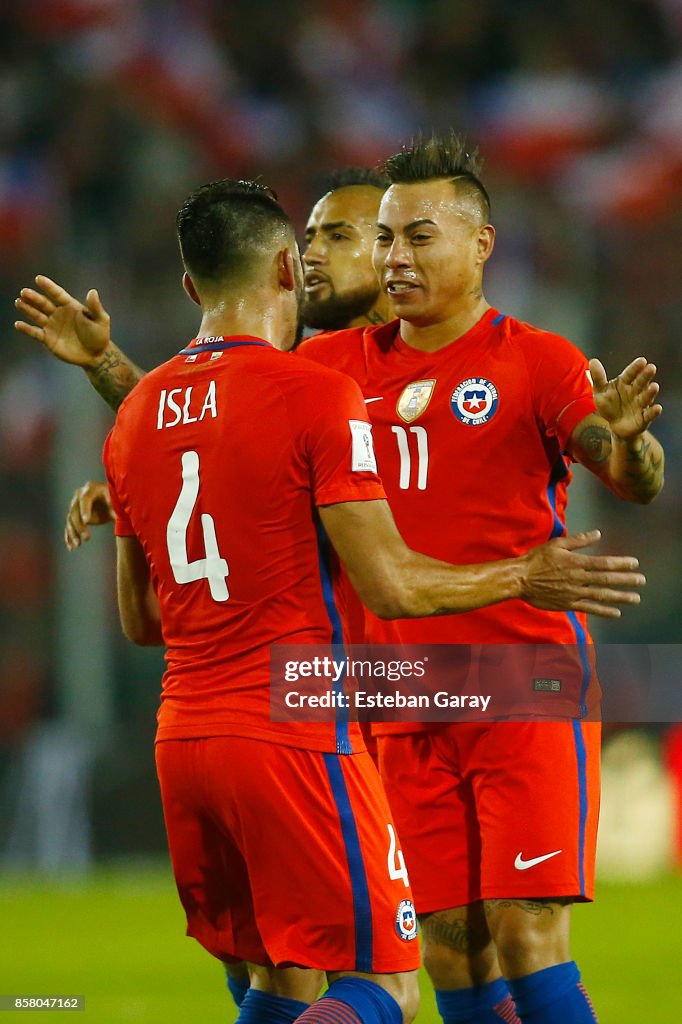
x=430, y=249
x=340, y=283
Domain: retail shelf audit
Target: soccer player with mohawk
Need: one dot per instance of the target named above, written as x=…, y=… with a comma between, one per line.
x=476, y=420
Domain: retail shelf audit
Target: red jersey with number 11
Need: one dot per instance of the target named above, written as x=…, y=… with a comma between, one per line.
x=469, y=443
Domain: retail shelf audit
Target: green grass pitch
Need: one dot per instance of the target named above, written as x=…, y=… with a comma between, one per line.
x=118, y=940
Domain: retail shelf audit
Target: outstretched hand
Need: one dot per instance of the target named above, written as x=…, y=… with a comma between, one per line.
x=73, y=331
x=90, y=506
x=558, y=578
x=628, y=402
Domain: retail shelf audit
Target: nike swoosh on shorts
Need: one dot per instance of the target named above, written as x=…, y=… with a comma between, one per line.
x=522, y=865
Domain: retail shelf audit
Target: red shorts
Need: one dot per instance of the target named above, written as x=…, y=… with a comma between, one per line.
x=281, y=856
x=496, y=810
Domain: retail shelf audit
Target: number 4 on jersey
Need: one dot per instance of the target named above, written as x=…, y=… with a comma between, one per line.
x=213, y=567
x=396, y=861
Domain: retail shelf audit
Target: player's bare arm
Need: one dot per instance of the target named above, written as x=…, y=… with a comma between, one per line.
x=78, y=333
x=90, y=506
x=137, y=603
x=396, y=582
x=616, y=444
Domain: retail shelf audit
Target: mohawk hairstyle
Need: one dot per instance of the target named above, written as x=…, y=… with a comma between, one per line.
x=348, y=176
x=225, y=225
x=427, y=159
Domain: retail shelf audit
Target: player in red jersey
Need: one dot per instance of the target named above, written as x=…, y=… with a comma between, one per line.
x=474, y=416
x=341, y=290
x=226, y=451
x=201, y=460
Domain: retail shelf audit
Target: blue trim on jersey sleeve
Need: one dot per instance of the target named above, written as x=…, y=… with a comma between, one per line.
x=581, y=757
x=498, y=319
x=362, y=907
x=343, y=743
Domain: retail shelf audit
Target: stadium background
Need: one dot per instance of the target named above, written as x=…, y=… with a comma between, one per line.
x=110, y=112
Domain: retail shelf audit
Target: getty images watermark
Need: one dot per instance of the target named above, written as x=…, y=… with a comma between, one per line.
x=340, y=678
x=482, y=682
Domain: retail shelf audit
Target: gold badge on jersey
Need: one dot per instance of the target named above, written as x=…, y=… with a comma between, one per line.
x=414, y=399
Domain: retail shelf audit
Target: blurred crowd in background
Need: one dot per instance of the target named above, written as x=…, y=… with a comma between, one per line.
x=111, y=111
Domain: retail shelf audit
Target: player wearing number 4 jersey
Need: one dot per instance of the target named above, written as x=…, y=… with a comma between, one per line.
x=282, y=844
x=279, y=833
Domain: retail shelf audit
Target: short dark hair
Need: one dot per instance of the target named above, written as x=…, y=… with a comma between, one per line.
x=426, y=159
x=225, y=225
x=348, y=176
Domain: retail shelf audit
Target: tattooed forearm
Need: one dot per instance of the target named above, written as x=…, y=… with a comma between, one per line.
x=631, y=467
x=640, y=462
x=114, y=376
x=595, y=443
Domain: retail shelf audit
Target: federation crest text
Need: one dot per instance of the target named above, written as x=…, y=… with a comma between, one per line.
x=474, y=401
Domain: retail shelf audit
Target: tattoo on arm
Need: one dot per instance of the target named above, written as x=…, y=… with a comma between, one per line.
x=114, y=377
x=595, y=443
x=632, y=468
x=642, y=468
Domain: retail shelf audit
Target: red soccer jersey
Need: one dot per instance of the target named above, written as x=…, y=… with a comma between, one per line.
x=469, y=443
x=216, y=463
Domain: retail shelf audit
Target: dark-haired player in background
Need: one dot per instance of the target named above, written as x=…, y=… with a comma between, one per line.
x=474, y=413
x=341, y=287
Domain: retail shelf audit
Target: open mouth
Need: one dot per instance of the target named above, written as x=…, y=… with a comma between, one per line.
x=315, y=282
x=398, y=288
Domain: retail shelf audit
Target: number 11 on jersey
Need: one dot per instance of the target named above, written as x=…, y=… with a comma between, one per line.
x=406, y=459
x=213, y=567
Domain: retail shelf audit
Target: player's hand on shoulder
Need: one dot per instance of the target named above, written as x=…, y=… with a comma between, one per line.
x=75, y=332
x=628, y=402
x=90, y=506
x=558, y=577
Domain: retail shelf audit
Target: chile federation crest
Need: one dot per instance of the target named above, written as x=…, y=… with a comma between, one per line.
x=474, y=401
x=406, y=920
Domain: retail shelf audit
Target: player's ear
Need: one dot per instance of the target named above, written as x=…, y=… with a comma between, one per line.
x=188, y=285
x=486, y=242
x=286, y=269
